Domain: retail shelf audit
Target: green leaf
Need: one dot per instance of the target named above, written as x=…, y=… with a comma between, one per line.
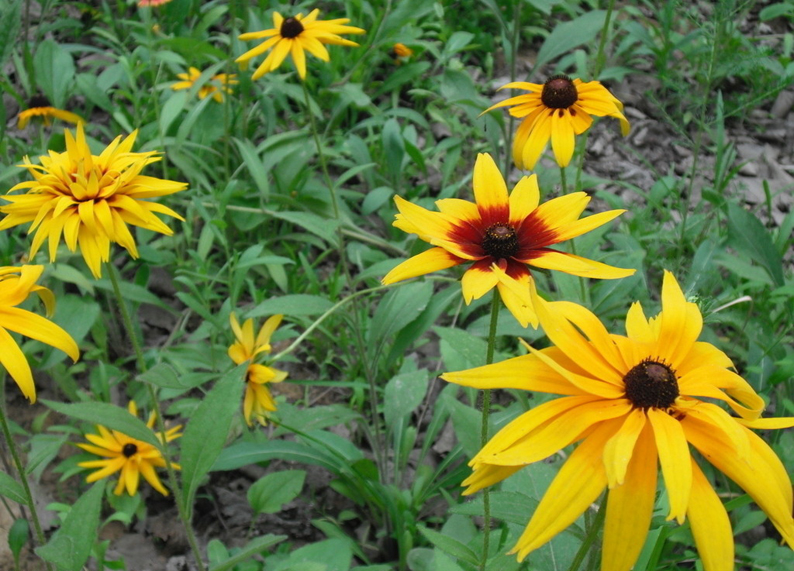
x=747, y=235
x=460, y=349
x=512, y=507
x=12, y=489
x=253, y=163
x=71, y=545
x=18, y=536
x=244, y=453
x=569, y=35
x=403, y=394
x=54, y=72
x=254, y=547
x=393, y=148
x=317, y=225
x=10, y=20
x=399, y=307
x=165, y=376
x=108, y=415
x=296, y=304
x=450, y=546
x=206, y=432
x=268, y=494
x=134, y=292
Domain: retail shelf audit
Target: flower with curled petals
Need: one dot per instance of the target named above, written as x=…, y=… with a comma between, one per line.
x=258, y=402
x=634, y=403
x=89, y=199
x=133, y=458
x=502, y=235
x=16, y=285
x=295, y=36
x=217, y=85
x=558, y=110
x=39, y=106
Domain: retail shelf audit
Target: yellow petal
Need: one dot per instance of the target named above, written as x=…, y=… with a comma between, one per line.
x=680, y=321
x=711, y=527
x=478, y=280
x=490, y=190
x=562, y=137
x=38, y=328
x=675, y=460
x=569, y=494
x=524, y=199
x=485, y=475
x=620, y=448
x=629, y=509
x=432, y=260
x=578, y=266
x=15, y=363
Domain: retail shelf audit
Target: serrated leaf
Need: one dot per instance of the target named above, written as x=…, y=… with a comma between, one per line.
x=206, y=432
x=107, y=415
x=268, y=494
x=71, y=545
x=12, y=489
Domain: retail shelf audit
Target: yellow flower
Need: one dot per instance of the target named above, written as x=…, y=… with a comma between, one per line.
x=128, y=455
x=151, y=3
x=223, y=80
x=558, y=110
x=633, y=401
x=90, y=199
x=400, y=51
x=295, y=36
x=16, y=284
x=40, y=107
x=502, y=235
x=258, y=402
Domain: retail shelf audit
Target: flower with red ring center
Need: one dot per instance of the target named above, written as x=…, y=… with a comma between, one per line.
x=502, y=235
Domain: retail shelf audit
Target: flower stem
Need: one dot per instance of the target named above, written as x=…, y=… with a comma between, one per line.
x=486, y=410
x=24, y=479
x=181, y=508
x=592, y=535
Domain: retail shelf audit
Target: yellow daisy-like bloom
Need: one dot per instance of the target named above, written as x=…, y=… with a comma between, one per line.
x=222, y=84
x=16, y=285
x=39, y=106
x=90, y=199
x=502, y=235
x=258, y=402
x=634, y=402
x=295, y=36
x=131, y=457
x=558, y=110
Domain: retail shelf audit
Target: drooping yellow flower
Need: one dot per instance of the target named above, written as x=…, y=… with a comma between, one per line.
x=258, y=402
x=131, y=457
x=558, y=110
x=634, y=402
x=399, y=52
x=16, y=285
x=39, y=106
x=217, y=86
x=90, y=199
x=501, y=235
x=295, y=36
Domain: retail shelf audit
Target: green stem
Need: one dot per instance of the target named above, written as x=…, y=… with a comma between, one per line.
x=592, y=535
x=601, y=53
x=24, y=479
x=323, y=164
x=169, y=467
x=486, y=410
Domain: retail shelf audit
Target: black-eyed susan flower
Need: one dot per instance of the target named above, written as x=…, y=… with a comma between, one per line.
x=634, y=403
x=295, y=36
x=129, y=456
x=39, y=106
x=16, y=285
x=258, y=402
x=216, y=86
x=502, y=235
x=558, y=110
x=89, y=200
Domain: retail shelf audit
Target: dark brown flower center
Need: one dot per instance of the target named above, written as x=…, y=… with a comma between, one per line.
x=291, y=28
x=651, y=384
x=129, y=450
x=500, y=241
x=559, y=92
x=38, y=101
